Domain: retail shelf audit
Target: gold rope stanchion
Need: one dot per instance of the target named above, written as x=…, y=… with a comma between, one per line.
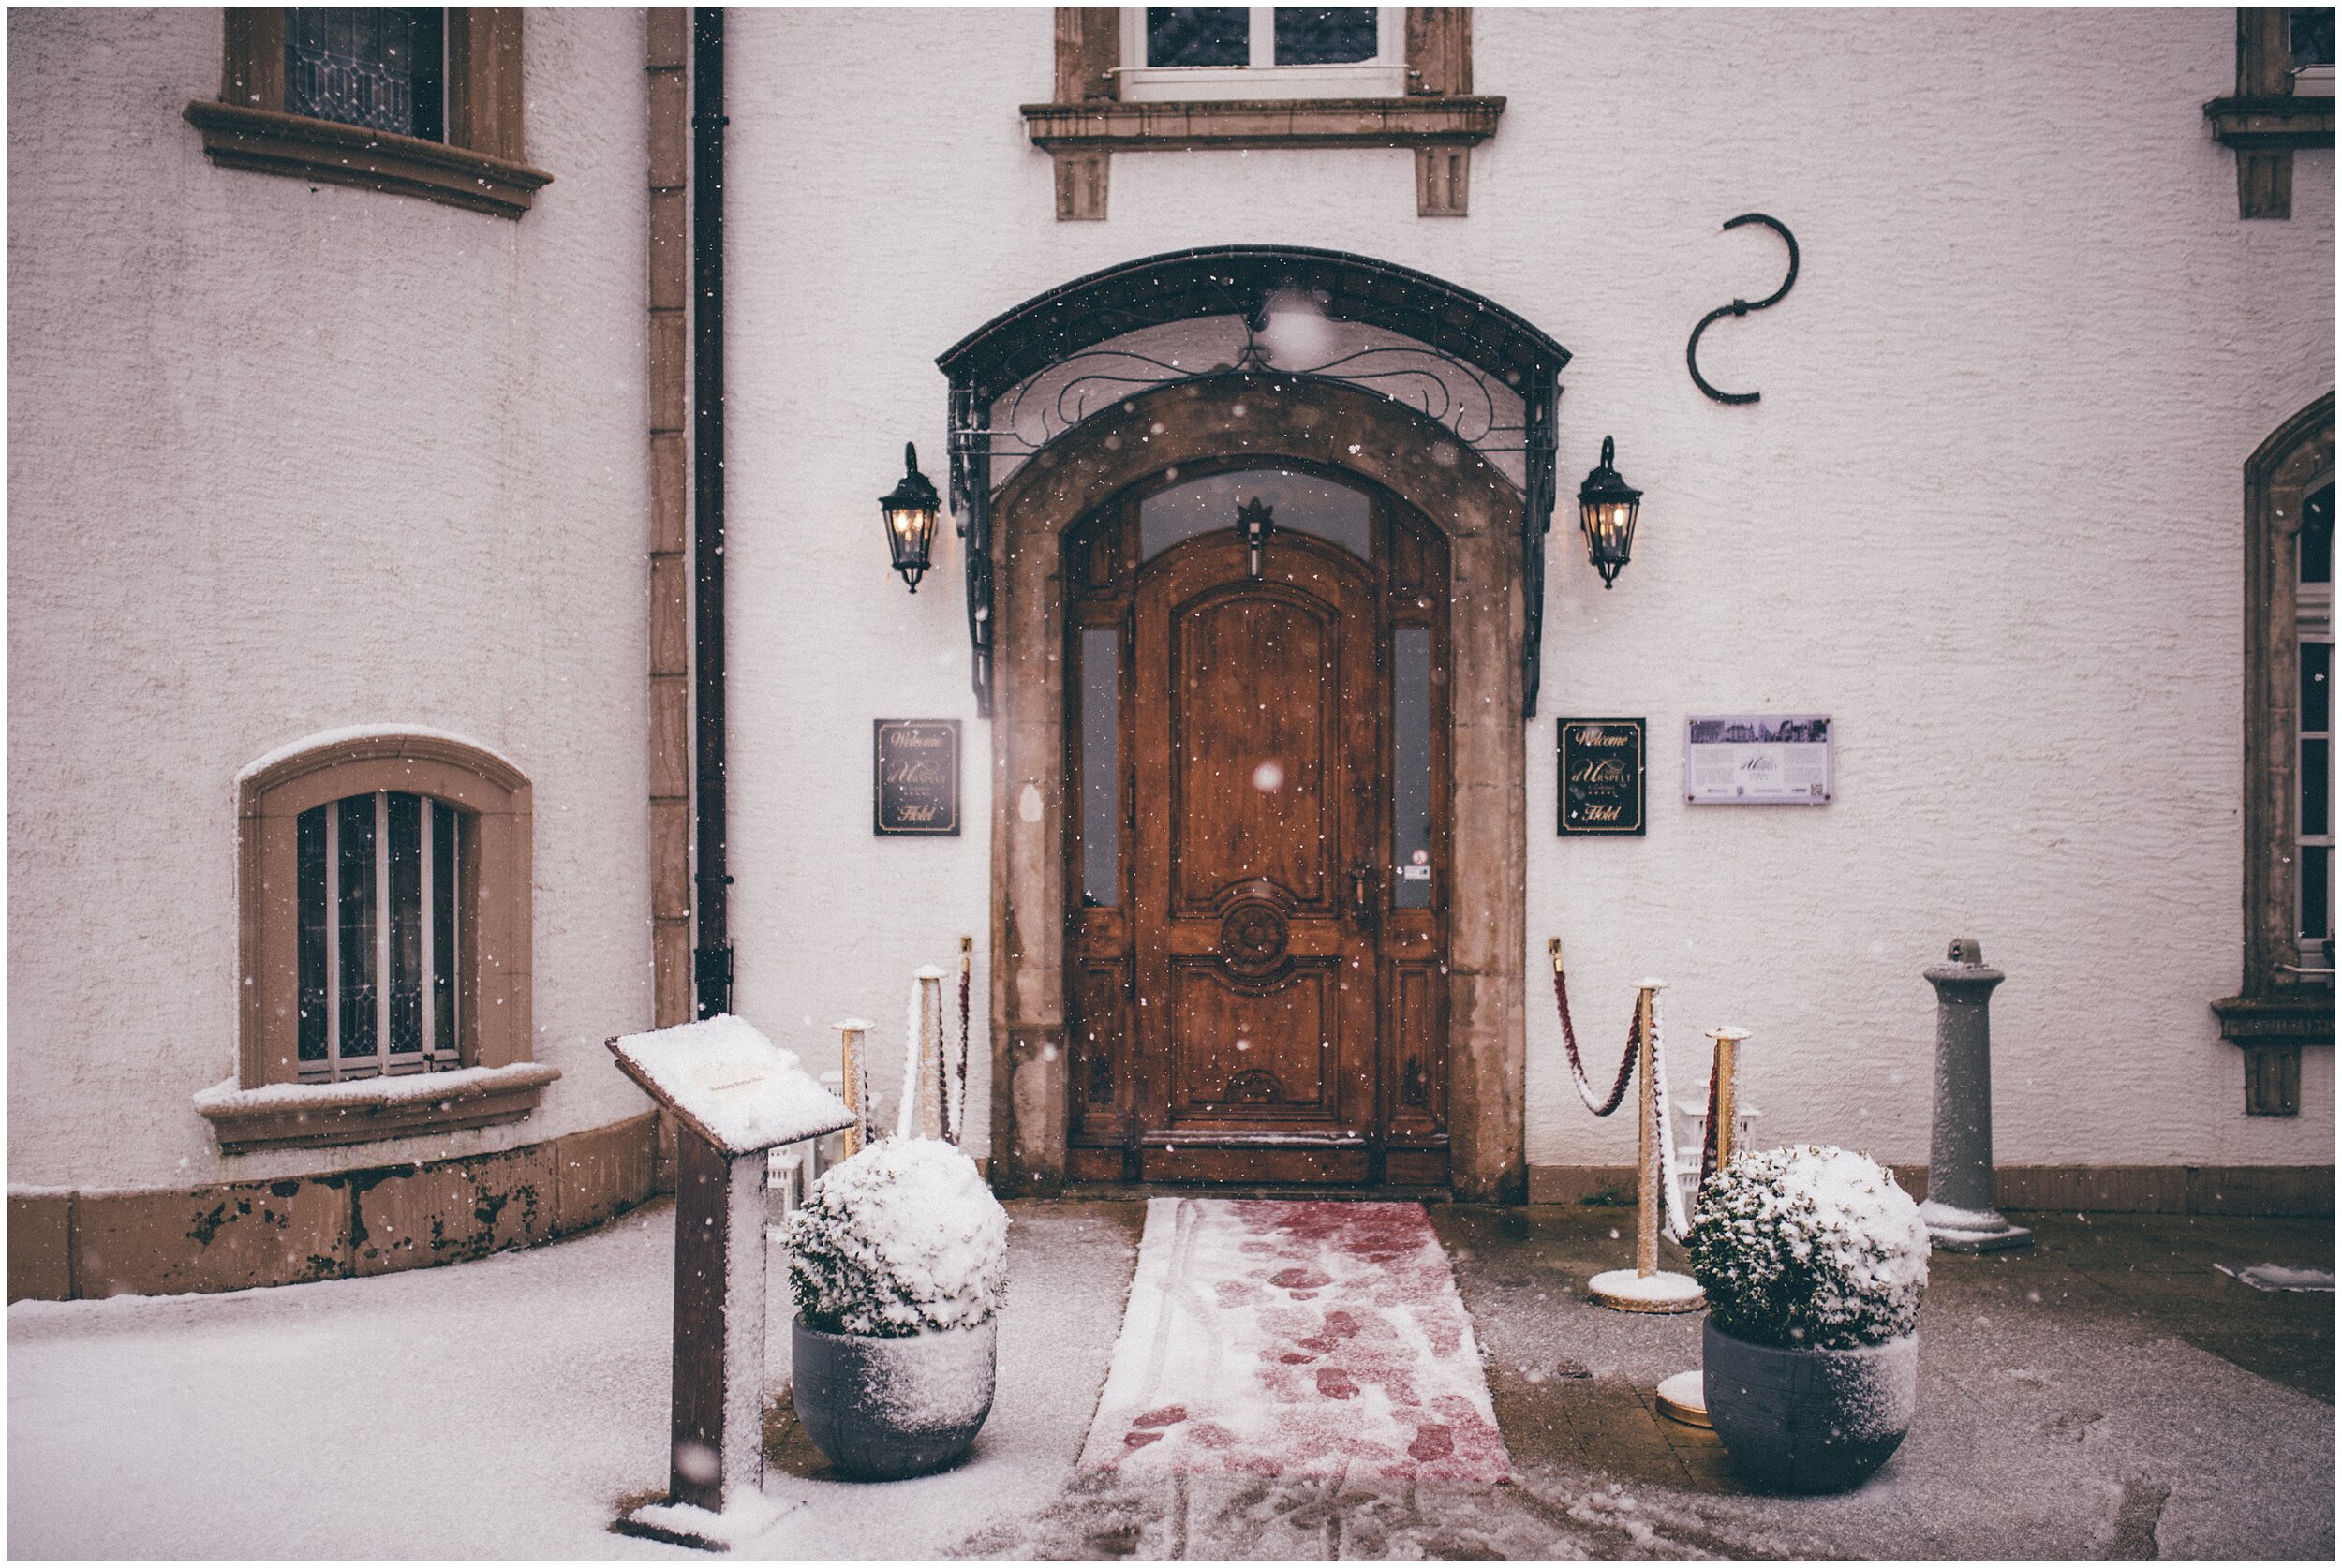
x=1684, y=1397
x=931, y=1090
x=854, y=1069
x=1647, y=1288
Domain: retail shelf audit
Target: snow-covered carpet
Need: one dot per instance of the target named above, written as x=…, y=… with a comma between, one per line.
x=1295, y=1338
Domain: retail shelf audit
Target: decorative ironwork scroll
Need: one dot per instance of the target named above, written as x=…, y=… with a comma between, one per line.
x=1036, y=372
x=1742, y=307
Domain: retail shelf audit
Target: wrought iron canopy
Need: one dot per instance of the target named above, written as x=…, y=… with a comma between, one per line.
x=1453, y=324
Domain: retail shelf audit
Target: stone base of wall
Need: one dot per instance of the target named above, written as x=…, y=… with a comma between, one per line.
x=67, y=1245
x=2230, y=1190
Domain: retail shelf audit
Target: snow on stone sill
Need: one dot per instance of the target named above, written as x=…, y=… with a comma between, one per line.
x=225, y=1098
x=363, y=731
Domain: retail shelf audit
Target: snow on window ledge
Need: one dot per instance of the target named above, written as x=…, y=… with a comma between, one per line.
x=293, y=1115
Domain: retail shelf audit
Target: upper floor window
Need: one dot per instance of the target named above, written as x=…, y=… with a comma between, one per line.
x=378, y=66
x=1218, y=52
x=422, y=101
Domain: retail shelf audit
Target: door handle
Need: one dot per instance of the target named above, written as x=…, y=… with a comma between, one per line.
x=1361, y=892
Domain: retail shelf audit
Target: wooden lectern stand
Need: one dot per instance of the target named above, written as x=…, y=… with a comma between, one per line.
x=734, y=1095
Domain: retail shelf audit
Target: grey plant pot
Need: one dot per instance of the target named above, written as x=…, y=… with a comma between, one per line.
x=885, y=1409
x=1809, y=1420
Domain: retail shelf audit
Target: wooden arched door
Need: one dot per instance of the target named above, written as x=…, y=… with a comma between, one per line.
x=1256, y=890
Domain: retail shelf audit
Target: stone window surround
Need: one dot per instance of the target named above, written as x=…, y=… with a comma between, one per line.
x=1086, y=123
x=266, y=1108
x=1262, y=419
x=2265, y=120
x=480, y=166
x=2275, y=1011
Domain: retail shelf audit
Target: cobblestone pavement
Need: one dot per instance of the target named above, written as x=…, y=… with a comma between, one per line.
x=2108, y=1395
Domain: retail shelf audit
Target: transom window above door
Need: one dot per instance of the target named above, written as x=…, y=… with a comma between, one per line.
x=1172, y=53
x=1302, y=503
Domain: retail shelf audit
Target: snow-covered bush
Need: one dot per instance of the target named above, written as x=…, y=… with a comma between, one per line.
x=1809, y=1248
x=903, y=1237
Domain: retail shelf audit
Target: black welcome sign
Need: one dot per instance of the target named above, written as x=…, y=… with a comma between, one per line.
x=1602, y=775
x=915, y=775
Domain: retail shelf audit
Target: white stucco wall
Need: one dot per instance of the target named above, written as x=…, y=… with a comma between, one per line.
x=282, y=459
x=1987, y=515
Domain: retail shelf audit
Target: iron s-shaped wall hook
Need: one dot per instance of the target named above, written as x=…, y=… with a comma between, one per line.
x=1741, y=307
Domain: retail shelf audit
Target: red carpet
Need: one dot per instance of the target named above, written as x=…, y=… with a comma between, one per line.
x=1295, y=1338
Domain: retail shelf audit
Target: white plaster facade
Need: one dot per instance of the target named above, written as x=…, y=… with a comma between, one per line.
x=1986, y=515
x=287, y=458
x=284, y=459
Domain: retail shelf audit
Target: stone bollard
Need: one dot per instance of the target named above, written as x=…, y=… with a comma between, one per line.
x=1959, y=1212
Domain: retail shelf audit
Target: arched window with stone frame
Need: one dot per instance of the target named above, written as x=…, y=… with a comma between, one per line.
x=2285, y=1000
x=383, y=882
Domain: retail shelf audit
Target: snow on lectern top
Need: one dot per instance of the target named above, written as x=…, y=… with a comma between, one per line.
x=733, y=1086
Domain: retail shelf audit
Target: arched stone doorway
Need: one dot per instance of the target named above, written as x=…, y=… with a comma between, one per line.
x=1250, y=413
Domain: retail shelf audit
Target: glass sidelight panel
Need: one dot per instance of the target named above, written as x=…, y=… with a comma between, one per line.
x=1101, y=766
x=1411, y=768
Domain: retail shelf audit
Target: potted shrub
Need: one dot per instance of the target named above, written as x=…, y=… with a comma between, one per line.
x=1814, y=1262
x=899, y=1259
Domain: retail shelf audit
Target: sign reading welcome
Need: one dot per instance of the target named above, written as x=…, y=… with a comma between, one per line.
x=915, y=775
x=1602, y=775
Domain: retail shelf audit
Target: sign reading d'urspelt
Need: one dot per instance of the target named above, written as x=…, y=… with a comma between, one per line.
x=915, y=775
x=1602, y=775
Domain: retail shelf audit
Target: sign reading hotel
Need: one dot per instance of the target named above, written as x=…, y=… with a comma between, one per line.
x=915, y=775
x=1602, y=775
x=1758, y=760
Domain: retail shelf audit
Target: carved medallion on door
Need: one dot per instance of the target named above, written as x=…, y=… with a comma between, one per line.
x=1257, y=908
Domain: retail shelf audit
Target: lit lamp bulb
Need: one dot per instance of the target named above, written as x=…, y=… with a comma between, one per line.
x=910, y=511
x=1607, y=507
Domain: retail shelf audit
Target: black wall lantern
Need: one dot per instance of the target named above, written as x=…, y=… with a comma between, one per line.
x=910, y=510
x=1607, y=506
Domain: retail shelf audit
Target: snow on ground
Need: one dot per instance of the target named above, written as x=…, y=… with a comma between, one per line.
x=504, y=1408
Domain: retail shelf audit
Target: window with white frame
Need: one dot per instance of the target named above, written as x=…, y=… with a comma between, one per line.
x=377, y=878
x=2313, y=625
x=1219, y=52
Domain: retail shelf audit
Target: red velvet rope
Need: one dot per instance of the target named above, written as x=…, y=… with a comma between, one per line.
x=959, y=1103
x=1569, y=1039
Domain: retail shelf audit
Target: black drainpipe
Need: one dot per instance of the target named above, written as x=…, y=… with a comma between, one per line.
x=711, y=961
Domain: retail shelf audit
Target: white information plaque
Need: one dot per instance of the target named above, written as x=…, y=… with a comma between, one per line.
x=1745, y=759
